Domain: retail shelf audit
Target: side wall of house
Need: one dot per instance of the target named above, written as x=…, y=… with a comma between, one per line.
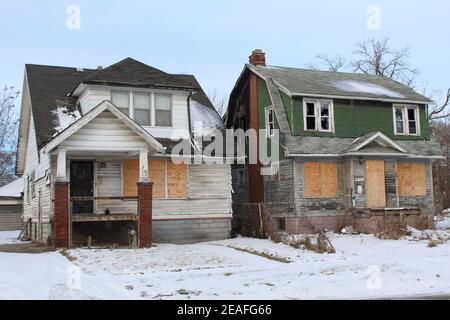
x=37, y=192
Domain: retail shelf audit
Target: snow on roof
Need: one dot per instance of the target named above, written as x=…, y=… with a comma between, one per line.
x=65, y=118
x=204, y=120
x=13, y=189
x=366, y=87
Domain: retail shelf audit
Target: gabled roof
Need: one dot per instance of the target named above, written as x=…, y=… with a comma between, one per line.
x=92, y=114
x=49, y=87
x=377, y=137
x=130, y=72
x=305, y=82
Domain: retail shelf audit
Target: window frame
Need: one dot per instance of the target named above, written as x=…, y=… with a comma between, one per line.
x=318, y=103
x=269, y=132
x=405, y=120
x=153, y=111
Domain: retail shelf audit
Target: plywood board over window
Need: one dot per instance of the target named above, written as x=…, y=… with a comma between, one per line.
x=169, y=180
x=176, y=180
x=411, y=177
x=319, y=179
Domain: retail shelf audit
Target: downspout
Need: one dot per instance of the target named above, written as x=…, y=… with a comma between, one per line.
x=191, y=138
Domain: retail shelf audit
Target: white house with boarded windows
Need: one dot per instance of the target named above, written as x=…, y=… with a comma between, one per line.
x=95, y=152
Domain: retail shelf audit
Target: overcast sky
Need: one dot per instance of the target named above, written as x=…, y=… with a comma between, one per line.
x=212, y=38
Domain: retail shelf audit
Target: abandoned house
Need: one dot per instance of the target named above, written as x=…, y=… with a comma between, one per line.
x=94, y=151
x=354, y=149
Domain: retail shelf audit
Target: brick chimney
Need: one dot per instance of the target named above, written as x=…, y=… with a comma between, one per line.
x=257, y=58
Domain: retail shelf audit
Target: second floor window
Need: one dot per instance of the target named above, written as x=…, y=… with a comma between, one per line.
x=318, y=115
x=406, y=119
x=163, y=110
x=269, y=122
x=139, y=107
x=121, y=99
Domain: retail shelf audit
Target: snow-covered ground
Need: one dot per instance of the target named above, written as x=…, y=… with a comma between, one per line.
x=241, y=268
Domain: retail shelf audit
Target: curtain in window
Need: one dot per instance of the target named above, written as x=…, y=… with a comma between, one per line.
x=163, y=110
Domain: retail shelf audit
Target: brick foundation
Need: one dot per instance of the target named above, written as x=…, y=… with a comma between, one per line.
x=145, y=190
x=363, y=224
x=61, y=215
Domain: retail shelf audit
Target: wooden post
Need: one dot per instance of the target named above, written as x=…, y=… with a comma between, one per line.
x=143, y=166
x=61, y=165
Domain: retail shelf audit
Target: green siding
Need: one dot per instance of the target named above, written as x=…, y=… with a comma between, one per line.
x=355, y=118
x=263, y=102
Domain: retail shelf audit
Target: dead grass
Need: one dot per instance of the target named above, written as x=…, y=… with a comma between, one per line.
x=263, y=254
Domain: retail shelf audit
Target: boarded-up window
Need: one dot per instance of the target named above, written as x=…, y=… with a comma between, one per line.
x=411, y=179
x=176, y=180
x=319, y=179
x=175, y=186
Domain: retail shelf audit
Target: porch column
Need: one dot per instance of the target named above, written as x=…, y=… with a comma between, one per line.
x=61, y=204
x=145, y=197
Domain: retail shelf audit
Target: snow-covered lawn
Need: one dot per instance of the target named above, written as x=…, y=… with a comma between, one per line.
x=241, y=268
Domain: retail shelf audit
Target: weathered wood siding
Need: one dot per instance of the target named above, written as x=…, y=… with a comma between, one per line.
x=279, y=195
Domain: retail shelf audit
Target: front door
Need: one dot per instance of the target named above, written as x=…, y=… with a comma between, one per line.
x=82, y=185
x=375, y=185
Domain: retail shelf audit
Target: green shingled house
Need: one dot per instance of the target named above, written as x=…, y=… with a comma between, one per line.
x=355, y=148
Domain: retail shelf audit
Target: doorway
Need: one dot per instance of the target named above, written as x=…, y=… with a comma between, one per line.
x=375, y=184
x=82, y=185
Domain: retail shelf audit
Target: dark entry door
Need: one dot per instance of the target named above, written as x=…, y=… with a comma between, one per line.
x=82, y=185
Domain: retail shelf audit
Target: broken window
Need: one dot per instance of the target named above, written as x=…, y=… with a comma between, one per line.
x=318, y=115
x=406, y=119
x=269, y=122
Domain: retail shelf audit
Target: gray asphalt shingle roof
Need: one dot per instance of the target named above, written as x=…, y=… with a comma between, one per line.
x=50, y=85
x=339, y=84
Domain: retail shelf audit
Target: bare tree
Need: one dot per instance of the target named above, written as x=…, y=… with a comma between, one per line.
x=440, y=110
x=220, y=102
x=331, y=63
x=441, y=168
x=377, y=57
x=8, y=133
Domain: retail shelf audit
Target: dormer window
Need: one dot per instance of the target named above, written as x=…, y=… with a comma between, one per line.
x=141, y=106
x=318, y=115
x=406, y=119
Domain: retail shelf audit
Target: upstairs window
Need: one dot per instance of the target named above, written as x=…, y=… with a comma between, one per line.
x=141, y=108
x=163, y=110
x=269, y=122
x=318, y=115
x=406, y=120
x=121, y=99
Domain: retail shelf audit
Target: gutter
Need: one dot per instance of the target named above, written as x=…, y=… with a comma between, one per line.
x=361, y=154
